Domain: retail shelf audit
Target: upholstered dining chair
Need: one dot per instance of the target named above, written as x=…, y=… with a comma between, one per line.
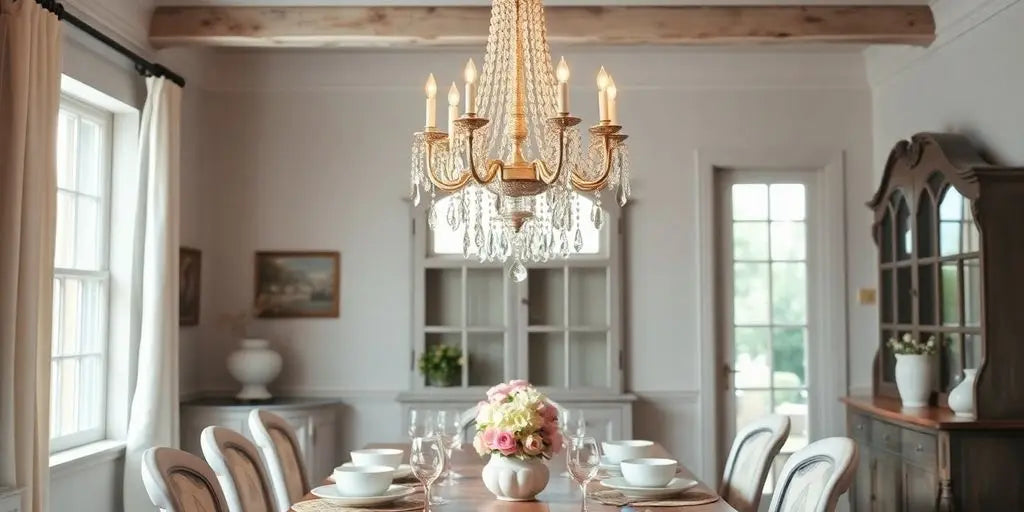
x=178, y=481
x=815, y=477
x=750, y=459
x=236, y=461
x=283, y=456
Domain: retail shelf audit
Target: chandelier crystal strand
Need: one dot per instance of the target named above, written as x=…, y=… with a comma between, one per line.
x=514, y=158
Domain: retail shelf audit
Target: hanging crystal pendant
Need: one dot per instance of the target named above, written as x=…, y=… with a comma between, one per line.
x=597, y=216
x=432, y=216
x=623, y=198
x=518, y=271
x=414, y=194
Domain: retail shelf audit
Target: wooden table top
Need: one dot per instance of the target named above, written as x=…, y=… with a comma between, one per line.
x=561, y=495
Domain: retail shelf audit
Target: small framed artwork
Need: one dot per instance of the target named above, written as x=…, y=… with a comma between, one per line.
x=298, y=284
x=190, y=263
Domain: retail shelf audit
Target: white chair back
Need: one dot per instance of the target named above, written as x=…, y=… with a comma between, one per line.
x=815, y=477
x=283, y=456
x=236, y=461
x=178, y=481
x=750, y=460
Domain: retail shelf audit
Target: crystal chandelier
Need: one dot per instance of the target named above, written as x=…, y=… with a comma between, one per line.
x=515, y=181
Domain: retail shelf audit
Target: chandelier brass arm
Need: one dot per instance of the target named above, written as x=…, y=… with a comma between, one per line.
x=430, y=139
x=611, y=138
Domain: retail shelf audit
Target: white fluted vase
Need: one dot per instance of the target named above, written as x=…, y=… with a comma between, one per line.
x=254, y=365
x=914, y=379
x=512, y=479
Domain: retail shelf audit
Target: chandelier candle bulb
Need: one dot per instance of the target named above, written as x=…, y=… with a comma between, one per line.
x=563, y=87
x=613, y=105
x=431, y=89
x=453, y=110
x=602, y=94
x=470, y=87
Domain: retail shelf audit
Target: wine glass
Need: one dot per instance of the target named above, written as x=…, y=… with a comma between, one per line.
x=420, y=423
x=582, y=460
x=448, y=426
x=427, y=459
x=573, y=424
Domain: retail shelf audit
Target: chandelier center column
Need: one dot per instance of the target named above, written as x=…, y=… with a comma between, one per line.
x=517, y=129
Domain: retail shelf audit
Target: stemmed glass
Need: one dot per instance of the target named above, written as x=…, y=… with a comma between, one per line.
x=420, y=423
x=427, y=461
x=582, y=460
x=573, y=424
x=448, y=426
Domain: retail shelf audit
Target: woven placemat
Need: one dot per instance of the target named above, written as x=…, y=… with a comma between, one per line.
x=320, y=505
x=687, y=498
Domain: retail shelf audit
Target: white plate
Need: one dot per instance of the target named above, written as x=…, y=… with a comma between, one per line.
x=331, y=493
x=402, y=471
x=675, y=486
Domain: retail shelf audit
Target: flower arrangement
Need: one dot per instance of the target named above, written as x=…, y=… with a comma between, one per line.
x=441, y=365
x=907, y=345
x=517, y=421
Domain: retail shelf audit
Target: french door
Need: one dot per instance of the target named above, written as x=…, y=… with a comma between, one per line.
x=766, y=263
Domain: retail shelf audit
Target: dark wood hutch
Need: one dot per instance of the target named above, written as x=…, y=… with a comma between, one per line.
x=949, y=228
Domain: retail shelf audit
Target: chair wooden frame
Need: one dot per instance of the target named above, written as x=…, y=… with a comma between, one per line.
x=748, y=500
x=261, y=423
x=216, y=442
x=841, y=452
x=160, y=464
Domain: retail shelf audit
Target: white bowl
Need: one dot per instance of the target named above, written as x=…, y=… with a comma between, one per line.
x=377, y=457
x=363, y=481
x=618, y=451
x=648, y=472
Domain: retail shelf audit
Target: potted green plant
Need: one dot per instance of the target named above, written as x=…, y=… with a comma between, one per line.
x=441, y=365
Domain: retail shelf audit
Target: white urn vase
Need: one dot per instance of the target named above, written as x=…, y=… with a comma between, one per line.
x=961, y=398
x=254, y=365
x=512, y=479
x=914, y=379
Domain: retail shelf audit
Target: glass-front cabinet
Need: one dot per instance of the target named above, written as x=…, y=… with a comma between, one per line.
x=560, y=328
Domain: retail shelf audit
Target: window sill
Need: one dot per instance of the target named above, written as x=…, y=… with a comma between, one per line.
x=85, y=456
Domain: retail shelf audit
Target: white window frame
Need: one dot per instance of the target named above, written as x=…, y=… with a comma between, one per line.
x=105, y=120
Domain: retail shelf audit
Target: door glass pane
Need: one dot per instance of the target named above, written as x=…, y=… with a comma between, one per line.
x=486, y=358
x=753, y=357
x=450, y=339
x=950, y=294
x=951, y=361
x=787, y=201
x=793, y=403
x=547, y=358
x=904, y=296
x=547, y=296
x=789, y=293
x=750, y=293
x=926, y=294
x=904, y=242
x=750, y=201
x=925, y=226
x=972, y=292
x=789, y=357
x=588, y=359
x=789, y=241
x=750, y=241
x=972, y=350
x=885, y=301
x=588, y=291
x=443, y=288
x=751, y=405
x=888, y=359
x=485, y=297
x=885, y=237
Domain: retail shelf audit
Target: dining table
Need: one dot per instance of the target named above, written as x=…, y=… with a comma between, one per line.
x=562, y=494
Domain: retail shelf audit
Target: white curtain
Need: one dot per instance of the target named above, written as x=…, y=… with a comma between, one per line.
x=154, y=411
x=29, y=100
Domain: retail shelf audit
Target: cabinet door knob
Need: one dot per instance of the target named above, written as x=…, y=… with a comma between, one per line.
x=919, y=448
x=860, y=426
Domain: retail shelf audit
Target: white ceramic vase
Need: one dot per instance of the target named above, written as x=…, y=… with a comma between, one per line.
x=254, y=365
x=512, y=479
x=961, y=398
x=914, y=379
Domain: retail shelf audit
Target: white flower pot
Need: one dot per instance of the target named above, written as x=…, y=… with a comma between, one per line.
x=254, y=365
x=914, y=379
x=512, y=479
x=961, y=398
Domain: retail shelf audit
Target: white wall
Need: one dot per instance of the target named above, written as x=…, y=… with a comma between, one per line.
x=969, y=82
x=309, y=150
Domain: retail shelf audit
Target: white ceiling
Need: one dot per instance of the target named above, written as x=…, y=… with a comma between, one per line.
x=547, y=2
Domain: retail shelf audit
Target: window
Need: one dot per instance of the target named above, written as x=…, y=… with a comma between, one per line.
x=81, y=281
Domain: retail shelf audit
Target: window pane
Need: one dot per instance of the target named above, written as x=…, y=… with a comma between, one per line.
x=749, y=202
x=71, y=312
x=89, y=158
x=90, y=394
x=58, y=304
x=789, y=293
x=753, y=360
x=750, y=292
x=789, y=357
x=789, y=241
x=66, y=125
x=67, y=403
x=93, y=317
x=64, y=249
x=788, y=202
x=88, y=235
x=750, y=240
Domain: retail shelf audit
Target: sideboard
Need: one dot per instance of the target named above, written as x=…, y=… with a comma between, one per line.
x=314, y=420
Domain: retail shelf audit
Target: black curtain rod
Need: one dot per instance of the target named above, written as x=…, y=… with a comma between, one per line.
x=143, y=66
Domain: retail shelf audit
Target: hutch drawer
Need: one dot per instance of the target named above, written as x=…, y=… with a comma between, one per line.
x=918, y=447
x=885, y=436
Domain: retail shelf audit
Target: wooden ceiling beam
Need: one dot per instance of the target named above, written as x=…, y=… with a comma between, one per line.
x=328, y=26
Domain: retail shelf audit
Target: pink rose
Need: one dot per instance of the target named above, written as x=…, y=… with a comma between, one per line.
x=549, y=411
x=489, y=438
x=533, y=445
x=498, y=393
x=517, y=385
x=554, y=441
x=480, y=445
x=505, y=442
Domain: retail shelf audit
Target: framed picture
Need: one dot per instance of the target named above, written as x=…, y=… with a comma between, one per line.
x=298, y=284
x=190, y=263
